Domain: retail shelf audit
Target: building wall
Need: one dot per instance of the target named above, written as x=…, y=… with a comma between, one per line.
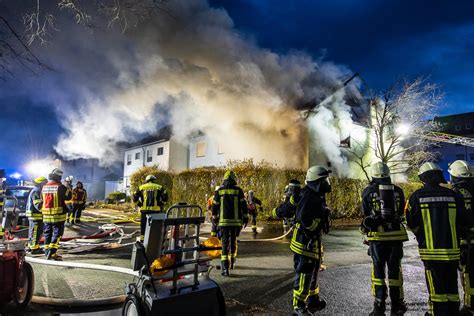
x=204, y=152
x=451, y=152
x=178, y=156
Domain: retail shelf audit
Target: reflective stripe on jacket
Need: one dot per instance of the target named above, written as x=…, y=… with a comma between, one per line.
x=437, y=217
x=150, y=197
x=79, y=196
x=230, y=206
x=54, y=196
x=34, y=205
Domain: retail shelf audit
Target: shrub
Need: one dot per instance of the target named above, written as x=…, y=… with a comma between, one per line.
x=115, y=197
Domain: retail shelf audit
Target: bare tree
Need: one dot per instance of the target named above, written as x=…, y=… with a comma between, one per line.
x=38, y=23
x=400, y=117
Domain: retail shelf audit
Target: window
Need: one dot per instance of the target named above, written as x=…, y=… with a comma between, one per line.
x=459, y=157
x=468, y=125
x=220, y=151
x=148, y=156
x=457, y=127
x=471, y=157
x=160, y=151
x=200, y=149
x=129, y=159
x=137, y=156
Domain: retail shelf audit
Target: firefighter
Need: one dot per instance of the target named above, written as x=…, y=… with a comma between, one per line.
x=254, y=206
x=54, y=210
x=462, y=180
x=69, y=203
x=79, y=198
x=287, y=209
x=210, y=202
x=35, y=217
x=229, y=212
x=150, y=197
x=437, y=217
x=311, y=220
x=382, y=207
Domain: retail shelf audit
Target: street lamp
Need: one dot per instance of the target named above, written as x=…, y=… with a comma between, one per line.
x=37, y=168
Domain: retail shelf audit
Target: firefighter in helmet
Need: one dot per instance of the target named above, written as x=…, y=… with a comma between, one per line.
x=312, y=220
x=69, y=203
x=54, y=210
x=35, y=217
x=229, y=212
x=79, y=199
x=462, y=180
x=437, y=217
x=382, y=207
x=210, y=203
x=150, y=197
x=287, y=209
x=254, y=206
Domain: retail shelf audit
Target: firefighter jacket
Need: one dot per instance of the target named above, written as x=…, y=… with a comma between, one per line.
x=287, y=208
x=437, y=217
x=79, y=196
x=466, y=191
x=230, y=207
x=311, y=217
x=253, y=204
x=54, y=207
x=69, y=187
x=34, y=205
x=151, y=197
x=373, y=201
x=2, y=192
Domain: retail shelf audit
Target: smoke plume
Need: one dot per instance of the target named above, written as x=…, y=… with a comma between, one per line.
x=195, y=71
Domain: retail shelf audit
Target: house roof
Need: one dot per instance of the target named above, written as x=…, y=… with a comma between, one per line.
x=457, y=124
x=163, y=134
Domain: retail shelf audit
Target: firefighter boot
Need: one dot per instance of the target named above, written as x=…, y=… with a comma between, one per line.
x=232, y=263
x=379, y=308
x=301, y=312
x=316, y=304
x=37, y=251
x=398, y=308
x=225, y=268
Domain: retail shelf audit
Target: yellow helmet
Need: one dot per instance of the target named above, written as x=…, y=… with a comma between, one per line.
x=212, y=242
x=229, y=174
x=40, y=180
x=160, y=264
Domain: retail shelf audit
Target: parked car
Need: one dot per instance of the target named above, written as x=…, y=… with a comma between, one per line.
x=21, y=193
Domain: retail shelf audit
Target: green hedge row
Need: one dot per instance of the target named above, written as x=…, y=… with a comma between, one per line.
x=266, y=180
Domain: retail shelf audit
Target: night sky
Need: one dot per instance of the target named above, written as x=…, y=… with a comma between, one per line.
x=382, y=40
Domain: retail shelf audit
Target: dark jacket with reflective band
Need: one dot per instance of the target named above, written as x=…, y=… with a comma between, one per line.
x=79, y=196
x=310, y=213
x=467, y=193
x=150, y=197
x=2, y=192
x=54, y=207
x=287, y=209
x=437, y=217
x=34, y=205
x=371, y=206
x=230, y=206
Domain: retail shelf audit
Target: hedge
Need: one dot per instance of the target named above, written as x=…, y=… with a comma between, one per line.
x=266, y=180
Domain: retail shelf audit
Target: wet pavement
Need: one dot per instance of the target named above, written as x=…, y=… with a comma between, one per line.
x=261, y=284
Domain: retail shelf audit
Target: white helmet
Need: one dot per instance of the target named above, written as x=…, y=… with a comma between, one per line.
x=317, y=172
x=461, y=169
x=380, y=170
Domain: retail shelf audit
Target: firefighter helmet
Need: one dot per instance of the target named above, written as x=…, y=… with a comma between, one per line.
x=150, y=178
x=380, y=170
x=40, y=180
x=317, y=172
x=69, y=178
x=229, y=174
x=461, y=169
x=57, y=172
x=429, y=166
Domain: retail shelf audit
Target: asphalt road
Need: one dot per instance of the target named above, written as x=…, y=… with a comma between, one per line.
x=262, y=282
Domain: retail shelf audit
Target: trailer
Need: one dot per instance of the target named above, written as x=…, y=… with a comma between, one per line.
x=173, y=268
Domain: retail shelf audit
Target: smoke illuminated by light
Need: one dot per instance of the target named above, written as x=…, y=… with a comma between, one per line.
x=403, y=129
x=38, y=168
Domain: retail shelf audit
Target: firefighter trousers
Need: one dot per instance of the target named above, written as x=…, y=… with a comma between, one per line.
x=305, y=287
x=254, y=221
x=35, y=230
x=70, y=211
x=77, y=212
x=52, y=235
x=228, y=236
x=387, y=254
x=442, y=283
x=467, y=268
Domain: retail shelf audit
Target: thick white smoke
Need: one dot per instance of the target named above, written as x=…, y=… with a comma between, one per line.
x=196, y=72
